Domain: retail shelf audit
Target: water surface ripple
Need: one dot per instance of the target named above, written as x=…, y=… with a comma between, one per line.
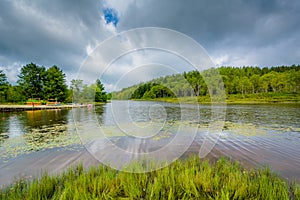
x=256, y=135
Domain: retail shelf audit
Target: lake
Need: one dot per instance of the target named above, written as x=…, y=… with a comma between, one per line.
x=120, y=132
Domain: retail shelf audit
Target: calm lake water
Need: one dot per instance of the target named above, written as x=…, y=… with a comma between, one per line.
x=119, y=132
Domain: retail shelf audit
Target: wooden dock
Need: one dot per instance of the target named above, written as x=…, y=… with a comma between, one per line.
x=16, y=108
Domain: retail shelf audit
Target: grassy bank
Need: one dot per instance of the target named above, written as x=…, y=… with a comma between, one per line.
x=264, y=98
x=260, y=98
x=184, y=179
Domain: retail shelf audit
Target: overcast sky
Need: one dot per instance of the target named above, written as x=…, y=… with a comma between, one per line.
x=65, y=33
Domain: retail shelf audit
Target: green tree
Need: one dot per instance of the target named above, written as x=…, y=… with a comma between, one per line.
x=292, y=81
x=255, y=83
x=195, y=80
x=77, y=90
x=15, y=95
x=31, y=80
x=244, y=80
x=141, y=90
x=100, y=94
x=69, y=95
x=278, y=82
x=55, y=84
x=244, y=85
x=161, y=91
x=149, y=95
x=213, y=81
x=3, y=86
x=88, y=93
x=264, y=83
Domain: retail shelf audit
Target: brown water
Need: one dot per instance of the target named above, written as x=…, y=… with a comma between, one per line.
x=52, y=140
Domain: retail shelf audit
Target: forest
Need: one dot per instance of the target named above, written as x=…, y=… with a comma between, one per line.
x=36, y=83
x=235, y=81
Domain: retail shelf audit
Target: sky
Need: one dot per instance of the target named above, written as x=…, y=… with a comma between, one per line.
x=67, y=33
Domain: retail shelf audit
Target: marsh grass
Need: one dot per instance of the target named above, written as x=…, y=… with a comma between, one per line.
x=183, y=179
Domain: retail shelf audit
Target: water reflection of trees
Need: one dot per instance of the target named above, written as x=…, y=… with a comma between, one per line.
x=45, y=126
x=87, y=114
x=100, y=110
x=39, y=118
x=4, y=120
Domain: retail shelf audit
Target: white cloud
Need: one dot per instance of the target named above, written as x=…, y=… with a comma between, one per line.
x=221, y=60
x=12, y=71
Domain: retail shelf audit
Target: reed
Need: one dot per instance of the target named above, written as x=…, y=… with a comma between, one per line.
x=184, y=179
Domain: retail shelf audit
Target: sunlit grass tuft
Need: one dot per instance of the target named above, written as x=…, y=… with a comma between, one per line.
x=183, y=179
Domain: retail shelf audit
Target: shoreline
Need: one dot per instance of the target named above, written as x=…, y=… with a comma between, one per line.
x=230, y=100
x=227, y=102
x=17, y=108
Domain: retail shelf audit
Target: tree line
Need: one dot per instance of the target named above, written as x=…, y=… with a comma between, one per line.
x=37, y=82
x=235, y=80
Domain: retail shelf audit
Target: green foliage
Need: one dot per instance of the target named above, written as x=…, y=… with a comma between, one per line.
x=33, y=101
x=15, y=94
x=250, y=80
x=3, y=86
x=31, y=80
x=77, y=89
x=37, y=82
x=152, y=91
x=245, y=81
x=55, y=84
x=125, y=93
x=87, y=93
x=69, y=95
x=183, y=179
x=100, y=94
x=160, y=91
x=141, y=90
x=109, y=96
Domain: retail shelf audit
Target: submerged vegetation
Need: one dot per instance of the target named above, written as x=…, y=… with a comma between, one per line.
x=183, y=179
x=252, y=84
x=37, y=139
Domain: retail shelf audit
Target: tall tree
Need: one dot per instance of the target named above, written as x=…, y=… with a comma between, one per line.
x=195, y=80
x=100, y=94
x=55, y=84
x=3, y=86
x=31, y=80
x=88, y=93
x=77, y=90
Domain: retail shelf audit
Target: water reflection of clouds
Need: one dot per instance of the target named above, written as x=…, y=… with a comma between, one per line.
x=15, y=126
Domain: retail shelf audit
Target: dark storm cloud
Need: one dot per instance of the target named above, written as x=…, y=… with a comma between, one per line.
x=49, y=32
x=234, y=32
x=226, y=27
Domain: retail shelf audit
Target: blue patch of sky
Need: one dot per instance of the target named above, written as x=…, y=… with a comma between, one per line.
x=111, y=16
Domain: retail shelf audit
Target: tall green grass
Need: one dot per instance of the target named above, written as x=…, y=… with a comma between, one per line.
x=183, y=179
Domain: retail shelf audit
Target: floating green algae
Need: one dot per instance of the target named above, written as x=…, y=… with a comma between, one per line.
x=38, y=139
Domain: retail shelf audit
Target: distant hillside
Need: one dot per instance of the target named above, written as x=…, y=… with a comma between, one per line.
x=236, y=81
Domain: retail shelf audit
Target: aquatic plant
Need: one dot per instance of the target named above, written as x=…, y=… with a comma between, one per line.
x=184, y=179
